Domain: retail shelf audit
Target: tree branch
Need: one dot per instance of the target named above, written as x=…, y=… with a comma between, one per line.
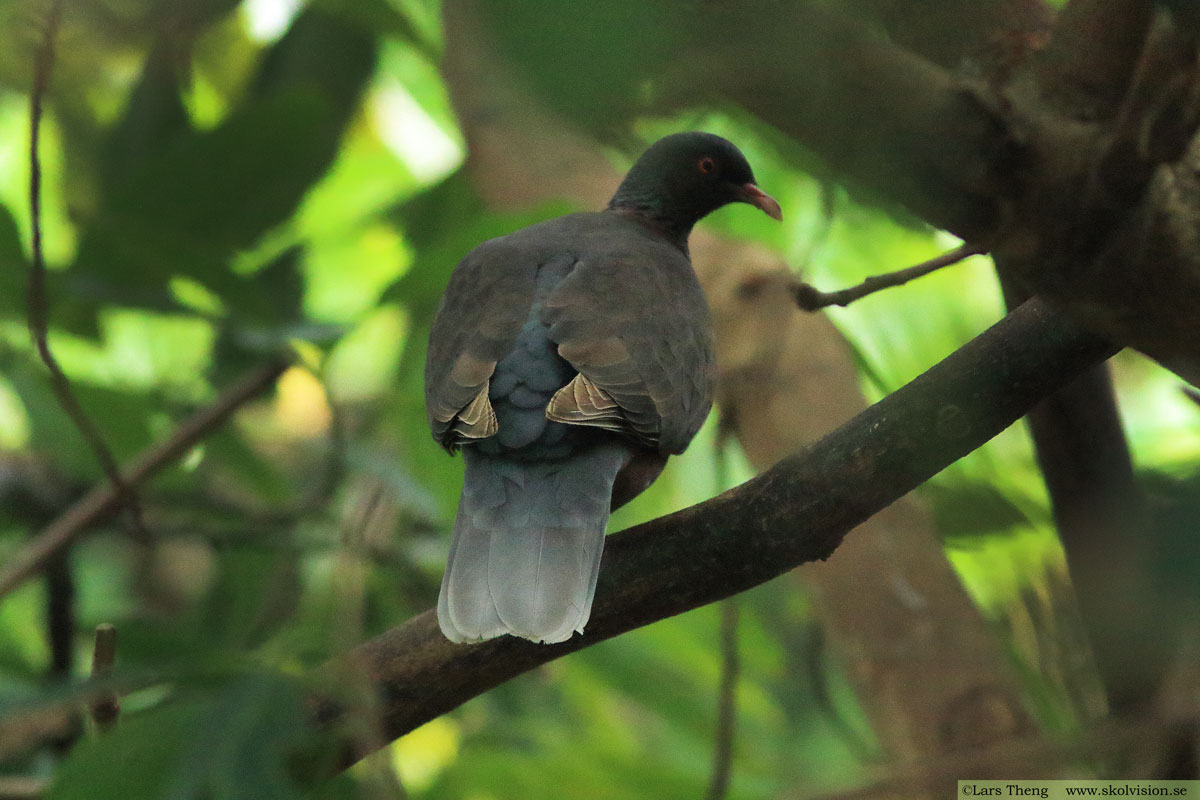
x=986, y=36
x=38, y=303
x=810, y=298
x=104, y=500
x=794, y=513
x=1093, y=52
x=881, y=117
x=1007, y=159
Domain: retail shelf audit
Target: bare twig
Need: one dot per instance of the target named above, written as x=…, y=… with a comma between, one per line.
x=38, y=304
x=105, y=706
x=809, y=298
x=104, y=500
x=718, y=785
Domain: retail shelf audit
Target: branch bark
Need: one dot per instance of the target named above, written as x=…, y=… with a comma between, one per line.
x=867, y=108
x=1102, y=519
x=988, y=37
x=794, y=513
x=1095, y=47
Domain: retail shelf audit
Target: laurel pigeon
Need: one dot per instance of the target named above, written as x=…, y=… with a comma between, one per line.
x=567, y=361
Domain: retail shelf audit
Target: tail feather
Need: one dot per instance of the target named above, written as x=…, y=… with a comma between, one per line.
x=527, y=543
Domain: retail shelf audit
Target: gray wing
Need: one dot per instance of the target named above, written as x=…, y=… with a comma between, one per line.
x=635, y=325
x=479, y=318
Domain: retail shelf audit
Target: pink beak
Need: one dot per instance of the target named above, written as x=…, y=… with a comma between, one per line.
x=761, y=200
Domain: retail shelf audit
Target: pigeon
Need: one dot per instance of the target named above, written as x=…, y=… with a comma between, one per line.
x=567, y=361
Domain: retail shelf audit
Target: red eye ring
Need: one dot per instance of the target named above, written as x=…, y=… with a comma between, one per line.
x=706, y=164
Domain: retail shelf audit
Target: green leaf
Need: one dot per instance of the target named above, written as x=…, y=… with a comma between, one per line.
x=561, y=48
x=229, y=741
x=380, y=16
x=122, y=417
x=23, y=648
x=153, y=117
x=274, y=294
x=13, y=268
x=255, y=593
x=189, y=208
x=443, y=224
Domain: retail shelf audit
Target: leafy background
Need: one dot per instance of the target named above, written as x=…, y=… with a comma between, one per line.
x=226, y=179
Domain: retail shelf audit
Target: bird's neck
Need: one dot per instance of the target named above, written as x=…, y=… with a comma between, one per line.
x=649, y=212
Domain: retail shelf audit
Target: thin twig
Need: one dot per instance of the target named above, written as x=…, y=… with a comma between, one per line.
x=39, y=323
x=718, y=785
x=105, y=706
x=810, y=298
x=104, y=500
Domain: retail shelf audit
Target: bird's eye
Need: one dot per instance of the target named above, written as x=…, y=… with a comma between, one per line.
x=706, y=164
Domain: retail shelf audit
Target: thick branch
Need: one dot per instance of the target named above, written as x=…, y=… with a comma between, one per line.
x=794, y=513
x=880, y=117
x=1093, y=51
x=1103, y=523
x=989, y=36
x=104, y=500
x=1018, y=163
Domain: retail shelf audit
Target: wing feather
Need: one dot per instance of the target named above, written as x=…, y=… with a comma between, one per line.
x=631, y=318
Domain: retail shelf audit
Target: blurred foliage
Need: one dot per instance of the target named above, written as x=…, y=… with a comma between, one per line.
x=225, y=179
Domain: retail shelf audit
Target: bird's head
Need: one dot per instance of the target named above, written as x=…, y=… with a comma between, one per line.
x=683, y=177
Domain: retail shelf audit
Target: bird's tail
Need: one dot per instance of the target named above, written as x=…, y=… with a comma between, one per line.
x=527, y=543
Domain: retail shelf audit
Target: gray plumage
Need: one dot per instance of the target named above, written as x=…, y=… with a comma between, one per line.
x=568, y=360
x=527, y=544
